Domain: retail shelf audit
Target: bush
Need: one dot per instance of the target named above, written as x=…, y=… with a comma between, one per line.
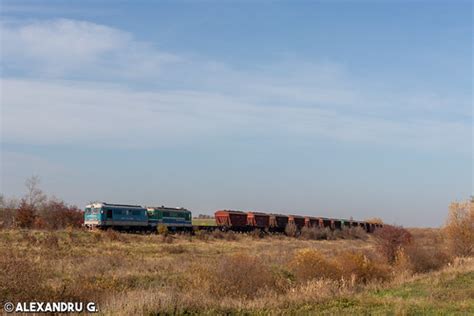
x=25, y=216
x=355, y=233
x=241, y=275
x=390, y=239
x=361, y=269
x=313, y=233
x=162, y=230
x=310, y=264
x=58, y=215
x=459, y=229
x=425, y=259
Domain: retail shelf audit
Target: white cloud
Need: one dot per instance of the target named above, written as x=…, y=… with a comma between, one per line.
x=56, y=48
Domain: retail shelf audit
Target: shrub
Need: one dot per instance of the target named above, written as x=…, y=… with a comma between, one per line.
x=389, y=239
x=361, y=269
x=56, y=214
x=25, y=216
x=459, y=228
x=356, y=233
x=425, y=259
x=310, y=264
x=162, y=230
x=313, y=233
x=291, y=230
x=241, y=275
x=7, y=216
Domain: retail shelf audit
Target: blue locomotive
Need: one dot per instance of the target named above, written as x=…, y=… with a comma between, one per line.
x=135, y=217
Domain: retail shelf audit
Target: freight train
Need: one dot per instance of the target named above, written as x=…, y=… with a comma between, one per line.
x=137, y=218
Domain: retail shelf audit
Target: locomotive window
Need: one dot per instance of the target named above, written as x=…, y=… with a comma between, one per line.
x=109, y=213
x=136, y=213
x=166, y=214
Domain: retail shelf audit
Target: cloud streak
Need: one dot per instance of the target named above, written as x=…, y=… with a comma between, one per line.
x=58, y=48
x=79, y=82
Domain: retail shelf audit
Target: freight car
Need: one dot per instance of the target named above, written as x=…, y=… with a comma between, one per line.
x=234, y=220
x=278, y=222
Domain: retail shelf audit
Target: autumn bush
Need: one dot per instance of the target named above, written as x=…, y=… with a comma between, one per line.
x=25, y=216
x=360, y=268
x=310, y=264
x=389, y=239
x=357, y=267
x=57, y=214
x=313, y=233
x=425, y=259
x=459, y=228
x=241, y=275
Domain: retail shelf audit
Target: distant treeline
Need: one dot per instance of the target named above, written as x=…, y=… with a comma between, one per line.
x=36, y=210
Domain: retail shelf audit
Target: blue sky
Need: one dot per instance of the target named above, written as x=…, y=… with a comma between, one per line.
x=339, y=109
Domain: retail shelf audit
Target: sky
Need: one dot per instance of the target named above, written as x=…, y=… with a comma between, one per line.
x=338, y=109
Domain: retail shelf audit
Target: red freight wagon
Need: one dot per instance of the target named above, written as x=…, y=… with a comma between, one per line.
x=278, y=222
x=260, y=220
x=297, y=220
x=230, y=218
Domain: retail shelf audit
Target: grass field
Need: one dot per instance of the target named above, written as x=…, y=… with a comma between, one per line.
x=225, y=274
x=204, y=222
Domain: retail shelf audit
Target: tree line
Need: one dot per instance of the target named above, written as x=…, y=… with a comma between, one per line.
x=35, y=209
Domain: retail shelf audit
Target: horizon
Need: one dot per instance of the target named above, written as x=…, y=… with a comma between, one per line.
x=328, y=109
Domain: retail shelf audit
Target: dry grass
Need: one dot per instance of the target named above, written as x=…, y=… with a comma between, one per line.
x=212, y=273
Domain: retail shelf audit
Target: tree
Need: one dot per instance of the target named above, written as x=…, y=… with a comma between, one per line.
x=34, y=195
x=459, y=228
